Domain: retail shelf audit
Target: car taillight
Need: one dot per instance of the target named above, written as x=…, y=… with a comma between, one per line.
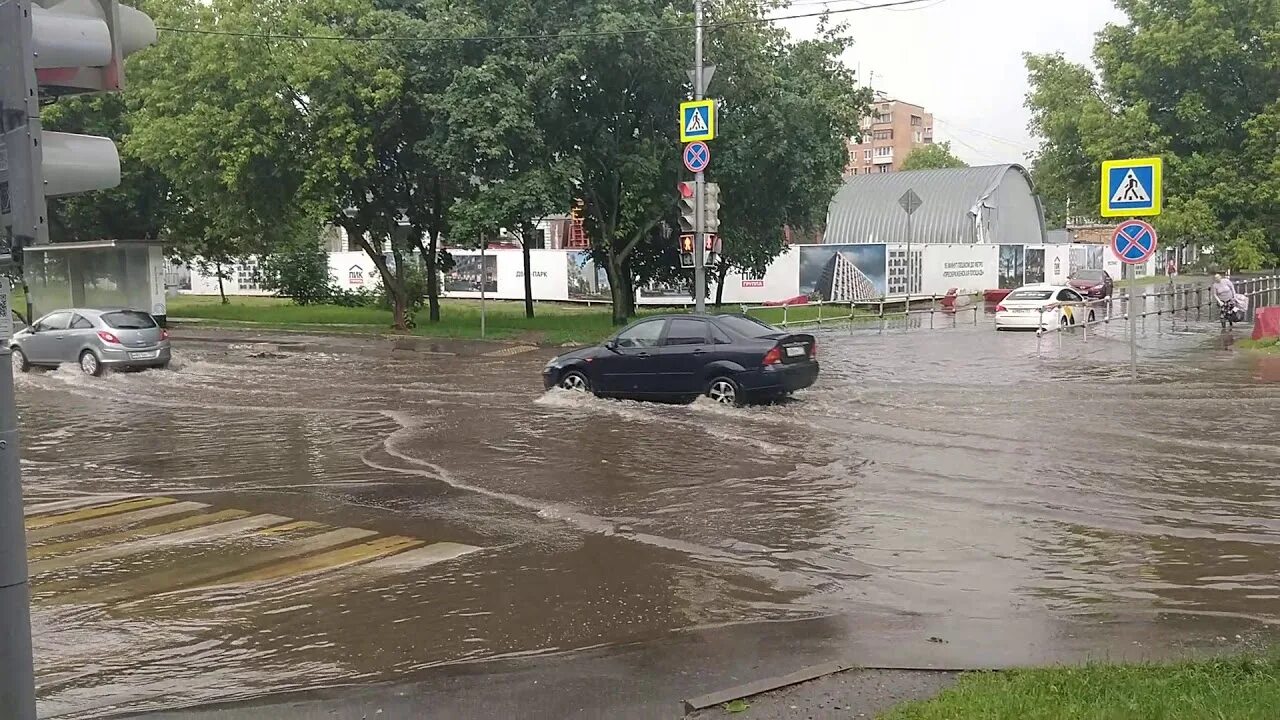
x=773, y=357
x=164, y=334
x=1001, y=308
x=108, y=337
x=813, y=350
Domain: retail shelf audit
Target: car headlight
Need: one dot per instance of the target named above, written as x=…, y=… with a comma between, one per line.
x=551, y=364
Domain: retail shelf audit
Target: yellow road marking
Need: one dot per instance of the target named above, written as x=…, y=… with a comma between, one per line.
x=55, y=531
x=42, y=521
x=114, y=540
x=205, y=569
x=75, y=502
x=326, y=561
x=290, y=527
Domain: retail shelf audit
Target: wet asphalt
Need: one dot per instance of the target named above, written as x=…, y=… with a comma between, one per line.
x=947, y=498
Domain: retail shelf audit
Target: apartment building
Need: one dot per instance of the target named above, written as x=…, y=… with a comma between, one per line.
x=892, y=131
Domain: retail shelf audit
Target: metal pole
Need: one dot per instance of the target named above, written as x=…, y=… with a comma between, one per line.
x=699, y=179
x=20, y=125
x=484, y=279
x=1133, y=322
x=909, y=288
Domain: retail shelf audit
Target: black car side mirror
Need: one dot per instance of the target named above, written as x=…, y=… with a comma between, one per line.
x=611, y=345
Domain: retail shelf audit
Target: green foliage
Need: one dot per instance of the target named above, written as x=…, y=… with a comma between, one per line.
x=1194, y=81
x=1237, y=689
x=299, y=271
x=936, y=156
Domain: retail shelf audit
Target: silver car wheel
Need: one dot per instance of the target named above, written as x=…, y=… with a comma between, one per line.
x=723, y=392
x=89, y=363
x=574, y=382
x=20, y=360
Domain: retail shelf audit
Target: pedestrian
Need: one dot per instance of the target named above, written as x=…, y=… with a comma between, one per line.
x=1224, y=290
x=1171, y=269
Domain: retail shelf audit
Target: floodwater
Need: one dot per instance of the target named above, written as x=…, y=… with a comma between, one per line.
x=952, y=496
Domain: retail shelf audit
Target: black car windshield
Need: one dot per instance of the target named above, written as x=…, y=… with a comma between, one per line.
x=1031, y=295
x=747, y=326
x=1094, y=275
x=128, y=320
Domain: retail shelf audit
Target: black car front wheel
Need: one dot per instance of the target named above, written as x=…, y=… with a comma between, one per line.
x=575, y=381
x=725, y=391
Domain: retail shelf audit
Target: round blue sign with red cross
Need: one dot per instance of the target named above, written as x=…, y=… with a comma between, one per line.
x=697, y=156
x=1134, y=242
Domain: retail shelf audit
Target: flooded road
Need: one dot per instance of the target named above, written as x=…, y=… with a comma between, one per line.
x=248, y=525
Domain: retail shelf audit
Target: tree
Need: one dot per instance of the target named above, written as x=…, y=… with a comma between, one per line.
x=1193, y=81
x=935, y=156
x=787, y=110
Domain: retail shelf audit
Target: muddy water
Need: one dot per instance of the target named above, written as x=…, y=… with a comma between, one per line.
x=956, y=481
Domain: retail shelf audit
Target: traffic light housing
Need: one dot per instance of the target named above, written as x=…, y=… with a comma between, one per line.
x=50, y=49
x=688, y=207
x=686, y=251
x=711, y=208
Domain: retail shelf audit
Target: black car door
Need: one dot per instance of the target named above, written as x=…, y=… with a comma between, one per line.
x=629, y=366
x=684, y=352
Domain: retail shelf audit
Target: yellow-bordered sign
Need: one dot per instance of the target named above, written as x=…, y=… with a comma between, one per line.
x=1132, y=188
x=697, y=120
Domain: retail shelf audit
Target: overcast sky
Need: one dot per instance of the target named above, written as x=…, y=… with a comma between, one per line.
x=962, y=60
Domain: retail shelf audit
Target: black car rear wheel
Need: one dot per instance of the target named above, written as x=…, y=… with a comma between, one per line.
x=724, y=391
x=575, y=381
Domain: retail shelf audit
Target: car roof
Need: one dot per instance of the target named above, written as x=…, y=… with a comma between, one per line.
x=93, y=312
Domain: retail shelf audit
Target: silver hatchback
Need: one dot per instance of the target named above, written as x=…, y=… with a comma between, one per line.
x=93, y=339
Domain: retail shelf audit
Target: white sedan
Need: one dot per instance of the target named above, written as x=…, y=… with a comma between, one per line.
x=1036, y=307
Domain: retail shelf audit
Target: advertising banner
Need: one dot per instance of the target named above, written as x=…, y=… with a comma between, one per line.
x=844, y=273
x=968, y=268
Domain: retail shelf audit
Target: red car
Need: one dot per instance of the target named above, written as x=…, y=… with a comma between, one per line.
x=1091, y=283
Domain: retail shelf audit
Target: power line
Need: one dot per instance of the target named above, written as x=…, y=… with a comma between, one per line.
x=568, y=35
x=994, y=138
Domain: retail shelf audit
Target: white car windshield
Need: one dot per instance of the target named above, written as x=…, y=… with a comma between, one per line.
x=1031, y=295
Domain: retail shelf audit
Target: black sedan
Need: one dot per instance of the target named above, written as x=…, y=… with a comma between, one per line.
x=730, y=358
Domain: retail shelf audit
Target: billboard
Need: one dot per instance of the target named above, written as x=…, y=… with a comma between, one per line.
x=1012, y=266
x=844, y=273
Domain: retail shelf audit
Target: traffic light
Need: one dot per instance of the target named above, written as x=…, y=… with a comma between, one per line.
x=711, y=210
x=51, y=49
x=686, y=251
x=688, y=207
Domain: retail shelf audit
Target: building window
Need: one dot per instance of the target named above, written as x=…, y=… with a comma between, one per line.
x=866, y=154
x=885, y=151
x=916, y=121
x=884, y=118
x=884, y=168
x=883, y=135
x=246, y=275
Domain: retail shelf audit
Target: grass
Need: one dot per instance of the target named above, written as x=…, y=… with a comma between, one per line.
x=553, y=323
x=1245, y=688
x=1266, y=345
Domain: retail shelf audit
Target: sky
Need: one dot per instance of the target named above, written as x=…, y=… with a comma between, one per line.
x=962, y=60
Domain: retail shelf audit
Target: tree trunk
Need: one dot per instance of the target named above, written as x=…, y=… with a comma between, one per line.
x=619, y=287
x=433, y=277
x=721, y=273
x=529, y=277
x=400, y=302
x=222, y=292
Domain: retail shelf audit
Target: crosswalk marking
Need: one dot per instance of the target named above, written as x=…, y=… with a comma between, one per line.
x=110, y=521
x=291, y=527
x=331, y=560
x=209, y=532
x=118, y=549
x=42, y=521
x=55, y=505
x=208, y=569
x=117, y=544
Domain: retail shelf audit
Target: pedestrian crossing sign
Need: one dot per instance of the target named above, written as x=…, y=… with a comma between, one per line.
x=1132, y=188
x=697, y=120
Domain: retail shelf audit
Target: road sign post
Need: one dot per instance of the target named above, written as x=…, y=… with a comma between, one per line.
x=910, y=202
x=1134, y=242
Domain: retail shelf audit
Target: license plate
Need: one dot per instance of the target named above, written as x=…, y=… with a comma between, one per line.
x=149, y=355
x=795, y=351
